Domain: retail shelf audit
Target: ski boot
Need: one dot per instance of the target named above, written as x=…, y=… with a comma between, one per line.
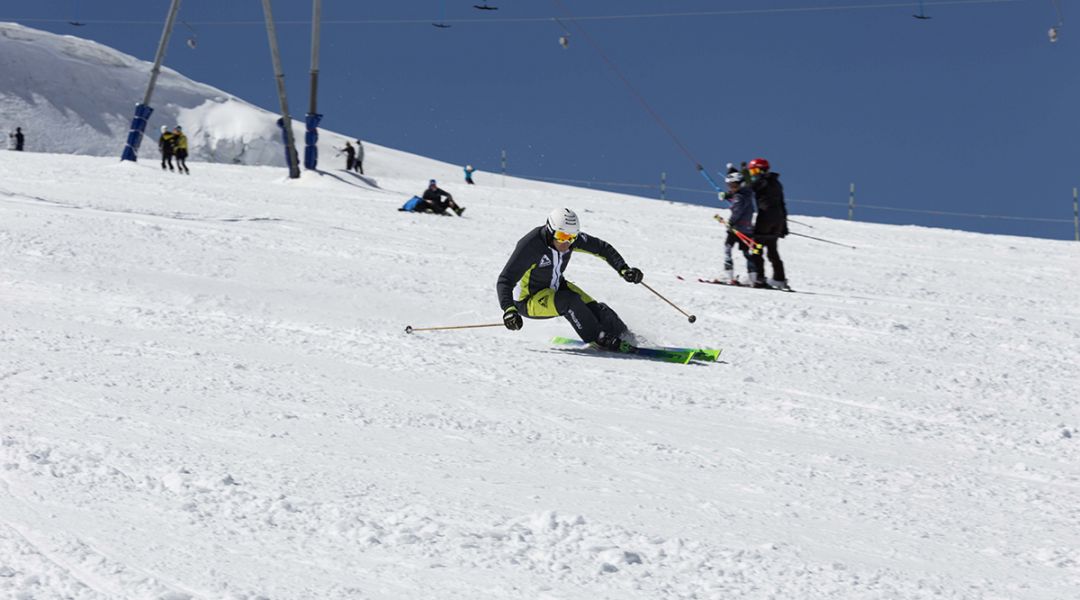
x=614, y=343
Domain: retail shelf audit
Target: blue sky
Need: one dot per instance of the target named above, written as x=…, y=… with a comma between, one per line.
x=972, y=111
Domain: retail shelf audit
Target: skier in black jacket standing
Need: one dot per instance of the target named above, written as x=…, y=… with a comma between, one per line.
x=771, y=223
x=538, y=263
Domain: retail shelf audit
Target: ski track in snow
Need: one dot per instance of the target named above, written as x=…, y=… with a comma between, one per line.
x=207, y=393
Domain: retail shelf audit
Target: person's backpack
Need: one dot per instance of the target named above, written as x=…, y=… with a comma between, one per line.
x=411, y=204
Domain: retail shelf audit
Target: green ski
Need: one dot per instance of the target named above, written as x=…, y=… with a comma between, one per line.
x=675, y=355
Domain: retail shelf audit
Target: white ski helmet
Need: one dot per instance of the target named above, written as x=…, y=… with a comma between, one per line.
x=564, y=220
x=733, y=177
x=164, y=129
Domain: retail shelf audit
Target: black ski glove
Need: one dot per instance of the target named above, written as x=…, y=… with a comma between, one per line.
x=631, y=274
x=512, y=319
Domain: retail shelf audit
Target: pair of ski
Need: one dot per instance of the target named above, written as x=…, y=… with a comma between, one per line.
x=736, y=284
x=663, y=353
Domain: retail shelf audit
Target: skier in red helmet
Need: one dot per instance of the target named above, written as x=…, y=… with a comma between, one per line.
x=771, y=223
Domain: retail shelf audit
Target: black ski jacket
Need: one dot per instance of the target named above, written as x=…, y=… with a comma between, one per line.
x=436, y=195
x=771, y=210
x=536, y=265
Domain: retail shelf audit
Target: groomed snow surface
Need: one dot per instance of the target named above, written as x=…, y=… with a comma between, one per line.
x=207, y=392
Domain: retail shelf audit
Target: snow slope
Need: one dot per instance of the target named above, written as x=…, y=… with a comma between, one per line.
x=206, y=392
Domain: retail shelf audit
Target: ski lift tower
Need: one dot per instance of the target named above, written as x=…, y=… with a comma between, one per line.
x=311, y=136
x=143, y=109
x=285, y=122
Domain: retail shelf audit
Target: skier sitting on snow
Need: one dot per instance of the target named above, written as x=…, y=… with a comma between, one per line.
x=741, y=220
x=538, y=263
x=433, y=201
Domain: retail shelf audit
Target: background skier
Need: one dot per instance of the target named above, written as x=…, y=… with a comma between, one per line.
x=350, y=156
x=538, y=263
x=741, y=220
x=181, y=150
x=166, y=144
x=771, y=223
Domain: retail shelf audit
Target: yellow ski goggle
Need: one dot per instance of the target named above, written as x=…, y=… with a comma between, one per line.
x=562, y=236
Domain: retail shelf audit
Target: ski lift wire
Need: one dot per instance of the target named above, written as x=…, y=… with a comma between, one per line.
x=633, y=90
x=495, y=20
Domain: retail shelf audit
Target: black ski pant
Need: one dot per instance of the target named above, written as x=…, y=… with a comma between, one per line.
x=730, y=242
x=587, y=316
x=769, y=246
x=166, y=160
x=437, y=206
x=181, y=160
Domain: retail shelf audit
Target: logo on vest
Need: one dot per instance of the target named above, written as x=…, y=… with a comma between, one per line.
x=545, y=261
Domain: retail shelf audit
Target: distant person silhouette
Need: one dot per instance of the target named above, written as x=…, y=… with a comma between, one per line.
x=350, y=156
x=469, y=170
x=359, y=164
x=180, y=142
x=166, y=144
x=436, y=200
x=20, y=139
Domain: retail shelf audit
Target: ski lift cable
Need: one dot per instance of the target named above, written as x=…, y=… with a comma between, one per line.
x=1061, y=16
x=494, y=20
x=633, y=90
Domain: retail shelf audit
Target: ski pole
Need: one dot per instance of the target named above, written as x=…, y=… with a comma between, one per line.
x=798, y=223
x=822, y=240
x=755, y=248
x=689, y=317
x=410, y=328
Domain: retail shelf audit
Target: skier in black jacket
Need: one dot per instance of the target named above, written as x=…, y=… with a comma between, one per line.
x=537, y=265
x=167, y=145
x=771, y=223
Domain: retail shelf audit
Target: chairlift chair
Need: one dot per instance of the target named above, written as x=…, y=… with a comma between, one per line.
x=922, y=12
